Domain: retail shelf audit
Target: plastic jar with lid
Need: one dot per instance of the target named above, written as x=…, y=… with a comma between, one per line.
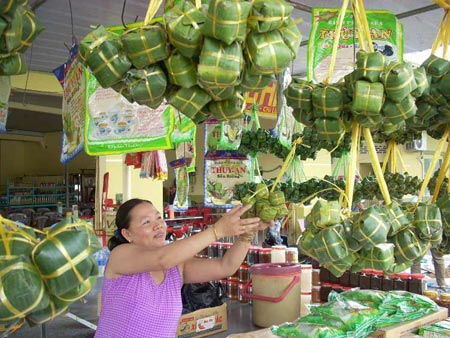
x=265, y=255
x=444, y=300
x=233, y=289
x=243, y=273
x=415, y=283
x=291, y=255
x=400, y=281
x=344, y=280
x=354, y=279
x=315, y=294
x=325, y=290
x=252, y=255
x=241, y=289
x=324, y=275
x=212, y=250
x=364, y=279
x=234, y=276
x=432, y=294
x=278, y=254
x=376, y=280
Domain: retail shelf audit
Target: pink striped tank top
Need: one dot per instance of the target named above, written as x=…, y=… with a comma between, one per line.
x=134, y=306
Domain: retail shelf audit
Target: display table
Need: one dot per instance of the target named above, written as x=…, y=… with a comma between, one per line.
x=393, y=331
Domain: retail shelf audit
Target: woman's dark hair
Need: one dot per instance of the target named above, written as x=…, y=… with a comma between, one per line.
x=123, y=221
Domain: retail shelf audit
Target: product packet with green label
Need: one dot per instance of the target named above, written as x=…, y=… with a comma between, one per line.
x=181, y=201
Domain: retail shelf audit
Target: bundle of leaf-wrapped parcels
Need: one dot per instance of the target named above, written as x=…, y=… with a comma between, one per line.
x=357, y=313
x=202, y=48
x=379, y=237
x=19, y=27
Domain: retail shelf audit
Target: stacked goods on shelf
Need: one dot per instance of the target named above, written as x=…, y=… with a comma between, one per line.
x=200, y=59
x=388, y=238
x=18, y=29
x=41, y=278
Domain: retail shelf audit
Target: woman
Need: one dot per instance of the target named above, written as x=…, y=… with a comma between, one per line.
x=141, y=295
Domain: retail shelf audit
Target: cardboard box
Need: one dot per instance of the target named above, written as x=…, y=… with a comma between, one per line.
x=204, y=322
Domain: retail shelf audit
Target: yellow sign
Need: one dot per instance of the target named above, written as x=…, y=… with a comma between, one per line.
x=266, y=101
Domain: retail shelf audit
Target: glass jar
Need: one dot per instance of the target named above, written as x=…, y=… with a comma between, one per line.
x=344, y=280
x=337, y=288
x=233, y=289
x=316, y=277
x=364, y=279
x=401, y=281
x=241, y=290
x=291, y=255
x=315, y=294
x=278, y=254
x=220, y=249
x=252, y=255
x=387, y=284
x=354, y=279
x=243, y=273
x=325, y=290
x=334, y=279
x=265, y=255
x=415, y=283
x=324, y=275
x=212, y=250
x=224, y=286
x=432, y=294
x=376, y=280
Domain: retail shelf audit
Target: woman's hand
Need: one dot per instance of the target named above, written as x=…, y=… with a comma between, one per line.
x=231, y=224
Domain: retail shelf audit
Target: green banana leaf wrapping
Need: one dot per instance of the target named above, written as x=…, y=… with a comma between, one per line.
x=397, y=218
x=181, y=71
x=226, y=20
x=267, y=15
x=299, y=94
x=398, y=80
x=444, y=247
x=3, y=25
x=435, y=97
x=18, y=243
x=330, y=245
x=420, y=75
x=399, y=267
x=444, y=86
x=254, y=82
x=219, y=94
x=7, y=7
x=370, y=65
x=102, y=52
x=228, y=109
x=408, y=247
x=436, y=66
x=353, y=244
x=302, y=116
x=53, y=310
x=277, y=198
x=31, y=28
x=146, y=45
x=369, y=120
x=11, y=39
x=291, y=36
x=220, y=65
x=261, y=205
x=12, y=64
x=282, y=210
x=83, y=289
x=444, y=205
x=189, y=101
x=268, y=214
x=323, y=214
x=123, y=89
x=350, y=82
x=380, y=257
x=337, y=268
x=184, y=25
x=370, y=227
x=329, y=129
x=368, y=97
x=306, y=243
x=21, y=287
x=147, y=86
x=396, y=112
x=425, y=112
x=428, y=223
x=327, y=101
x=63, y=259
x=267, y=52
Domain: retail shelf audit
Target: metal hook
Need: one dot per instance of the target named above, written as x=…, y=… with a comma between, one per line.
x=123, y=12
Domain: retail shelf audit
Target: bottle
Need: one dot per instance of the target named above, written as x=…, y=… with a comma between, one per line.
x=325, y=290
x=324, y=275
x=75, y=211
x=265, y=255
x=344, y=280
x=415, y=283
x=364, y=279
x=59, y=209
x=387, y=284
x=354, y=279
x=376, y=280
x=400, y=281
x=291, y=255
x=278, y=254
x=252, y=255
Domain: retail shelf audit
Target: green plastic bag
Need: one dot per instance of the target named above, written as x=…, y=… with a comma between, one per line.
x=148, y=86
x=184, y=24
x=220, y=65
x=146, y=45
x=226, y=20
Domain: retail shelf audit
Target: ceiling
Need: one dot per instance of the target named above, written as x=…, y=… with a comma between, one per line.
x=50, y=48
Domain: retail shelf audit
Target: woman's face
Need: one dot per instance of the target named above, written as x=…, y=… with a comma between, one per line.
x=147, y=227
